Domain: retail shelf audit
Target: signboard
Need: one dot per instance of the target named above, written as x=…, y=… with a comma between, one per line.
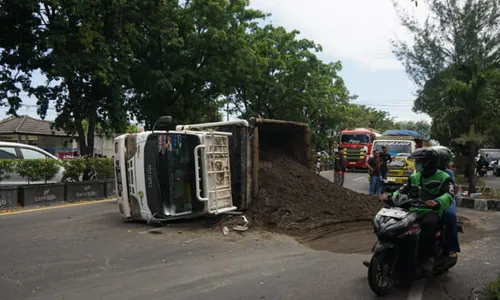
x=65, y=155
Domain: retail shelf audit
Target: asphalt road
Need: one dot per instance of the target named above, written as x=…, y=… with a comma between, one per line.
x=492, y=180
x=479, y=261
x=87, y=252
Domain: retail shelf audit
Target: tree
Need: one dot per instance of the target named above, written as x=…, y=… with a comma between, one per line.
x=17, y=51
x=84, y=50
x=183, y=65
x=278, y=76
x=454, y=62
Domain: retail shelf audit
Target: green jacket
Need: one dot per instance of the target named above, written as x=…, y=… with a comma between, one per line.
x=442, y=193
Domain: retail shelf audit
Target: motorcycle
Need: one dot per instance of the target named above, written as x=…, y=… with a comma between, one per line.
x=482, y=171
x=395, y=253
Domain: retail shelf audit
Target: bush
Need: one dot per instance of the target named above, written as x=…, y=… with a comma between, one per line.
x=45, y=169
x=6, y=166
x=73, y=167
x=37, y=169
x=104, y=167
x=494, y=288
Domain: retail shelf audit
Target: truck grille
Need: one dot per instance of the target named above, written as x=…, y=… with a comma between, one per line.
x=355, y=154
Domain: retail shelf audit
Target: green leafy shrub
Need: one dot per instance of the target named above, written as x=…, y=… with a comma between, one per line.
x=6, y=167
x=46, y=169
x=104, y=167
x=493, y=288
x=74, y=167
x=37, y=169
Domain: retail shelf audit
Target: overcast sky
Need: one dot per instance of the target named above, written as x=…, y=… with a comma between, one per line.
x=356, y=32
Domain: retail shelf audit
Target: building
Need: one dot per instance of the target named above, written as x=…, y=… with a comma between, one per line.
x=39, y=133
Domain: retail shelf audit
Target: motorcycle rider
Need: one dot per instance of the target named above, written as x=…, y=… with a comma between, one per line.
x=450, y=215
x=482, y=162
x=437, y=200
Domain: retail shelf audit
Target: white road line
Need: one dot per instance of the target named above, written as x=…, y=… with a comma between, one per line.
x=359, y=178
x=417, y=290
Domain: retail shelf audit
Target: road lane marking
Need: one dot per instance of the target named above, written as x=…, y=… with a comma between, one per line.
x=56, y=207
x=359, y=178
x=417, y=290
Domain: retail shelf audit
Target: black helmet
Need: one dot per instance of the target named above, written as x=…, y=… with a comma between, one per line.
x=445, y=156
x=427, y=157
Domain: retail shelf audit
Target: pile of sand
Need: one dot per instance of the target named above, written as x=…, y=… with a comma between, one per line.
x=295, y=200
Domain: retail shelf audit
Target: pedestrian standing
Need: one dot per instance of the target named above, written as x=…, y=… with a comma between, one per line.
x=339, y=167
x=374, y=164
x=386, y=159
x=318, y=163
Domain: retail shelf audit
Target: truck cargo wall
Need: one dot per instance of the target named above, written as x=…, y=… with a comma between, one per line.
x=248, y=140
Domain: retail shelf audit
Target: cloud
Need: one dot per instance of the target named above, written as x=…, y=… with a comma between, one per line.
x=356, y=30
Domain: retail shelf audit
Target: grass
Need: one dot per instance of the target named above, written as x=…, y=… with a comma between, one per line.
x=493, y=288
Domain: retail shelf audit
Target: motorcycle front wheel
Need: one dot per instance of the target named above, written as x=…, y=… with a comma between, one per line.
x=381, y=275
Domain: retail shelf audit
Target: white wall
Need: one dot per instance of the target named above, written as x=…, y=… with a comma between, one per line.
x=102, y=145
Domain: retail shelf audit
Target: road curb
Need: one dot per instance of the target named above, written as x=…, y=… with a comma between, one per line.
x=20, y=210
x=478, y=204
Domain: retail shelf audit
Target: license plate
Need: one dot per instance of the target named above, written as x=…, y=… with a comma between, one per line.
x=352, y=163
x=391, y=179
x=393, y=213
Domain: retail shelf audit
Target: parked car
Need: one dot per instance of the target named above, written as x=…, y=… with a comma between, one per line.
x=22, y=151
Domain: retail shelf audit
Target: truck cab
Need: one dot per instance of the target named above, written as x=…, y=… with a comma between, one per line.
x=165, y=175
x=358, y=145
x=400, y=144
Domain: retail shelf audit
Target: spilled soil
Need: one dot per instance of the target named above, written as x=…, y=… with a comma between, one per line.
x=294, y=200
x=359, y=238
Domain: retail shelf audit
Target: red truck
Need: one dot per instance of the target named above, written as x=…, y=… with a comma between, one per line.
x=358, y=145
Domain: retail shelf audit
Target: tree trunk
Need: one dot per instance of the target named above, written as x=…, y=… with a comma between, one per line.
x=82, y=141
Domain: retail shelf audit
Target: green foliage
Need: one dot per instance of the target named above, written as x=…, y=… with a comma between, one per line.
x=73, y=167
x=453, y=61
x=493, y=288
x=6, y=166
x=103, y=166
x=46, y=169
x=37, y=169
x=107, y=61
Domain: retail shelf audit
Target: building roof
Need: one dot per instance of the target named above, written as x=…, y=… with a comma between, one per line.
x=30, y=126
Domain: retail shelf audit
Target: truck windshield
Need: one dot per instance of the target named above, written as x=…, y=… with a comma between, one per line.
x=177, y=170
x=394, y=146
x=355, y=139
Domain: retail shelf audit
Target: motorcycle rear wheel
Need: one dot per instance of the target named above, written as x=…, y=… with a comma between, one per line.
x=380, y=273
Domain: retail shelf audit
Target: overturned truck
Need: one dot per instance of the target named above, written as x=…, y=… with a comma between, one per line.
x=199, y=169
